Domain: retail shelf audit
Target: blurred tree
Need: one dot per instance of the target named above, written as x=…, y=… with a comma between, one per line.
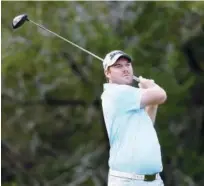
x=53, y=128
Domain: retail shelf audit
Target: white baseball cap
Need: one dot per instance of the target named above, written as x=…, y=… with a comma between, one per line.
x=112, y=57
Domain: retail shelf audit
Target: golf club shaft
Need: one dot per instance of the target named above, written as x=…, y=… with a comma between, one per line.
x=134, y=77
x=67, y=40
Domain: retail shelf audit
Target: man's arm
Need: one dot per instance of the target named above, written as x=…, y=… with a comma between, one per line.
x=152, y=96
x=152, y=112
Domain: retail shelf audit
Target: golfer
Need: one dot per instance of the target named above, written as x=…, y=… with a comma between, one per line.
x=129, y=114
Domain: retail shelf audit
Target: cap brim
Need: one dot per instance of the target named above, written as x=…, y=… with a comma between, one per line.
x=119, y=56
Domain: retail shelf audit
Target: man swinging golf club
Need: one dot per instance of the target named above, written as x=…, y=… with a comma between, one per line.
x=129, y=114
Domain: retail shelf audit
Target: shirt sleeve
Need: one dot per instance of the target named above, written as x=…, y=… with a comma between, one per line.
x=128, y=97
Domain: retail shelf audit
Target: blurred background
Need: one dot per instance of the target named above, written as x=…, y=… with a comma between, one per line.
x=53, y=131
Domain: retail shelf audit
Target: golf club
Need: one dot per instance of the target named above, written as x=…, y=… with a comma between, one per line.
x=19, y=20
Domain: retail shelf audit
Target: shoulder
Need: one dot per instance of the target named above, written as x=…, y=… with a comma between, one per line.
x=118, y=87
x=119, y=90
x=127, y=90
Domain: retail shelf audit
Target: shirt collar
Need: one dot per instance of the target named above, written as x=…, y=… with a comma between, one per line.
x=109, y=85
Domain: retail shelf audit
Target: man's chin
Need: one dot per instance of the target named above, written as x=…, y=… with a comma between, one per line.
x=124, y=81
x=128, y=81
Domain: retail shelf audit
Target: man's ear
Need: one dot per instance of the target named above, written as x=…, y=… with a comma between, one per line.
x=107, y=73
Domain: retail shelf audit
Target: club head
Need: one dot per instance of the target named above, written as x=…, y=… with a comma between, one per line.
x=19, y=20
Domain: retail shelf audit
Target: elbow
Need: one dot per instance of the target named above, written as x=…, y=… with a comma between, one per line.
x=163, y=97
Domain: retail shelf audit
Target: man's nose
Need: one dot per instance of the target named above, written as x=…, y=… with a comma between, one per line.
x=125, y=68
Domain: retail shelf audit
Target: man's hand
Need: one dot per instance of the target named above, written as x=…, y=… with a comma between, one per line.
x=146, y=83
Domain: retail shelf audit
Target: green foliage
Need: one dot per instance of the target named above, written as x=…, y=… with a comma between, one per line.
x=53, y=129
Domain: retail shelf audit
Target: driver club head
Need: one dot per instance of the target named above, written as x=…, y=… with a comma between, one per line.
x=19, y=20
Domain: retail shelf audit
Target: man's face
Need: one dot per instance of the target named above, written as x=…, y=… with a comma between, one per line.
x=120, y=72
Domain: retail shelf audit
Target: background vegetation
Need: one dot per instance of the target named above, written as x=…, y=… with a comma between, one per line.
x=53, y=131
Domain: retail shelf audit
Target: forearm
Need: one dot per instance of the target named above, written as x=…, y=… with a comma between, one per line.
x=153, y=95
x=152, y=112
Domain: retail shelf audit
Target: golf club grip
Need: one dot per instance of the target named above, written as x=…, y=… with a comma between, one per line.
x=136, y=79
